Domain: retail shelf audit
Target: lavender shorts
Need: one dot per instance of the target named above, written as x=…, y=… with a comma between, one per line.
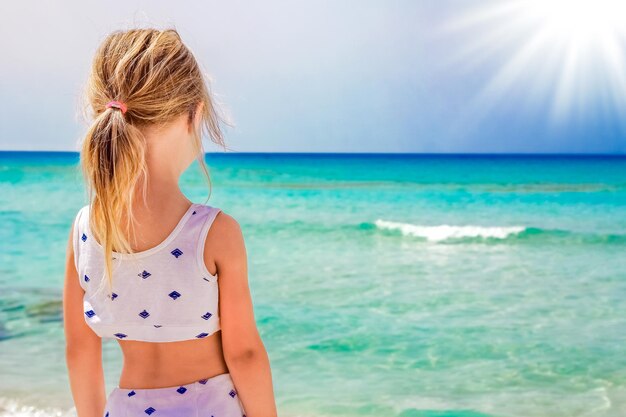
x=215, y=396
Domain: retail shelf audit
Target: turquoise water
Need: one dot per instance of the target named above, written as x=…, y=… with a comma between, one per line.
x=413, y=286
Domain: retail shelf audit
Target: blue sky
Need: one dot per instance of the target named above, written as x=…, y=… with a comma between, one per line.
x=342, y=76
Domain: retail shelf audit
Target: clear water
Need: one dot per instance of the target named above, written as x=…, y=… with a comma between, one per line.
x=386, y=285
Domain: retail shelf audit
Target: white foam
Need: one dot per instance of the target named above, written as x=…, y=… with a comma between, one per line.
x=10, y=407
x=446, y=232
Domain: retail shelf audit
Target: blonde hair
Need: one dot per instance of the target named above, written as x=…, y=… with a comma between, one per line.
x=159, y=80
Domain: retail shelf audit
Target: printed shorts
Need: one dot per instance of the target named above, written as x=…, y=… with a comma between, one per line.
x=214, y=396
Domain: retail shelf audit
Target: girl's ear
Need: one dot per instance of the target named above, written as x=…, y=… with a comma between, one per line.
x=198, y=114
x=195, y=113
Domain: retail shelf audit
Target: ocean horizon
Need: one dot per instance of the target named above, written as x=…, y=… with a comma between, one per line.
x=398, y=154
x=384, y=284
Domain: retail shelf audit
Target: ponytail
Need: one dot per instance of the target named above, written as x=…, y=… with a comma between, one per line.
x=114, y=161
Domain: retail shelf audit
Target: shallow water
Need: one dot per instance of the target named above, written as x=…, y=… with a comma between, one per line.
x=384, y=285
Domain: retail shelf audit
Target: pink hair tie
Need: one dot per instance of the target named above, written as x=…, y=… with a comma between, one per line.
x=117, y=105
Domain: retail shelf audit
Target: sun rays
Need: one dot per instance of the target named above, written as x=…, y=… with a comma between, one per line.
x=565, y=56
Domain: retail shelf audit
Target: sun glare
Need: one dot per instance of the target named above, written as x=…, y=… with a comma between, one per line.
x=567, y=54
x=580, y=20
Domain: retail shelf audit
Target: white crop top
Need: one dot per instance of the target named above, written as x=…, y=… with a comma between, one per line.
x=163, y=294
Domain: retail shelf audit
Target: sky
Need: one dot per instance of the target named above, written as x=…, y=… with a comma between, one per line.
x=446, y=76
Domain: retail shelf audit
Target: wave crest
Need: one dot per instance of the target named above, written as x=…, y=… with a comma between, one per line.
x=470, y=233
x=446, y=232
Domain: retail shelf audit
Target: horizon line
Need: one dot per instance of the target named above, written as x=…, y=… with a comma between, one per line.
x=617, y=154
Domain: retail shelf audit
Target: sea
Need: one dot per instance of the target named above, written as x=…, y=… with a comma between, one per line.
x=387, y=285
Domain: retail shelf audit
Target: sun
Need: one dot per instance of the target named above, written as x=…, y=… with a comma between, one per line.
x=569, y=55
x=579, y=21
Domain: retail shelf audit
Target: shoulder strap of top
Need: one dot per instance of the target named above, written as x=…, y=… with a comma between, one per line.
x=77, y=235
x=204, y=231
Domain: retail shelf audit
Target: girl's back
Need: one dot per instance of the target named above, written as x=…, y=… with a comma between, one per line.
x=167, y=294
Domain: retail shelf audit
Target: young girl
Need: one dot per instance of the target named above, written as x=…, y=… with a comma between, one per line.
x=143, y=261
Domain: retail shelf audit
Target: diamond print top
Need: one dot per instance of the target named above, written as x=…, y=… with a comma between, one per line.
x=163, y=294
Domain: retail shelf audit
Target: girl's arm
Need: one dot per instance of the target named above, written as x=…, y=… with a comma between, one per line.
x=83, y=348
x=244, y=352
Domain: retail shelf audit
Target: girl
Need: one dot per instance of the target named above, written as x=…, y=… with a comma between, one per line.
x=143, y=261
